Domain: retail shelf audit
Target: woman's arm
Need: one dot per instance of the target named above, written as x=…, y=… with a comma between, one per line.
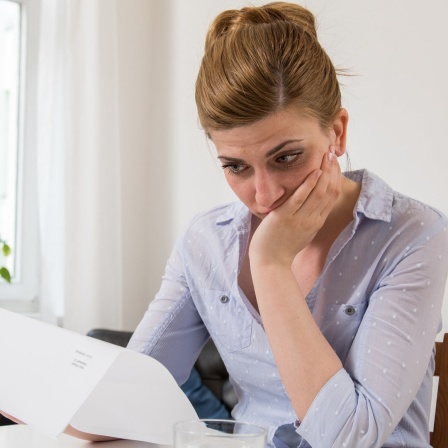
x=171, y=330
x=304, y=358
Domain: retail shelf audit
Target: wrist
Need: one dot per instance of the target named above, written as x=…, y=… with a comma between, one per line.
x=267, y=261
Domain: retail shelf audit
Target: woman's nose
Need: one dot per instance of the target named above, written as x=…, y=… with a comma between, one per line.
x=268, y=190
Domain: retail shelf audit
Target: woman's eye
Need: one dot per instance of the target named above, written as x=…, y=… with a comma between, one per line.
x=234, y=169
x=287, y=158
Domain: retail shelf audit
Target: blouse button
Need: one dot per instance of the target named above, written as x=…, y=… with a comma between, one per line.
x=224, y=299
x=350, y=310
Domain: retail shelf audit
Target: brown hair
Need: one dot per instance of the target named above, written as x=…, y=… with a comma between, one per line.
x=260, y=60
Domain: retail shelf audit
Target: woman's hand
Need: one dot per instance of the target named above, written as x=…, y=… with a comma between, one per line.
x=292, y=226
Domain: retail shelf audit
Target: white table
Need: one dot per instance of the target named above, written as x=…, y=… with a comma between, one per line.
x=22, y=436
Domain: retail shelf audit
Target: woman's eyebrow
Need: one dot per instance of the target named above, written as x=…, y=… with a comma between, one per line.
x=277, y=148
x=231, y=159
x=270, y=153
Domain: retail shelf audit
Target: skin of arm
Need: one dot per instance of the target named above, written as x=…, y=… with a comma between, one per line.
x=304, y=358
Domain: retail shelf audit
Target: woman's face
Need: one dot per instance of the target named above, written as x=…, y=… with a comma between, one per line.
x=265, y=162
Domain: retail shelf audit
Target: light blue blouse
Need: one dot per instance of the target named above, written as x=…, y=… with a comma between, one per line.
x=377, y=301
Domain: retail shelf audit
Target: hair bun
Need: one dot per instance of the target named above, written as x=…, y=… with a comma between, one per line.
x=261, y=60
x=234, y=19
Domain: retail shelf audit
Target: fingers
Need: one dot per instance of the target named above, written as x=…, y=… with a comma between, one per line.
x=321, y=188
x=328, y=188
x=333, y=191
x=302, y=193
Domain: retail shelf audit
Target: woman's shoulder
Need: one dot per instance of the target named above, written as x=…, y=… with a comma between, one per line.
x=379, y=200
x=416, y=209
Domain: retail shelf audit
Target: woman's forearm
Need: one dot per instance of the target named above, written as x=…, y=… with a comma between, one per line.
x=305, y=359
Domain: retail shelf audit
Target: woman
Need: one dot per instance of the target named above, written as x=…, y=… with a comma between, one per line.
x=321, y=290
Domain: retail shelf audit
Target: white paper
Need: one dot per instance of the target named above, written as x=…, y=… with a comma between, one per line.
x=51, y=377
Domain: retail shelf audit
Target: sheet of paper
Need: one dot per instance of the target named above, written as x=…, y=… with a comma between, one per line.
x=51, y=377
x=46, y=373
x=143, y=402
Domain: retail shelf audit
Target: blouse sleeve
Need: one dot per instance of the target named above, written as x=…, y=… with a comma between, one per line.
x=171, y=330
x=388, y=360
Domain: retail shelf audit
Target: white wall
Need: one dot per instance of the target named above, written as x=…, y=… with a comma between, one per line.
x=397, y=101
x=144, y=72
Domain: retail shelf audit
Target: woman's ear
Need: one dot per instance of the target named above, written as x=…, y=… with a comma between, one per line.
x=339, y=128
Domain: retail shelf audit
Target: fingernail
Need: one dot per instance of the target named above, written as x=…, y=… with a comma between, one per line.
x=318, y=173
x=330, y=156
